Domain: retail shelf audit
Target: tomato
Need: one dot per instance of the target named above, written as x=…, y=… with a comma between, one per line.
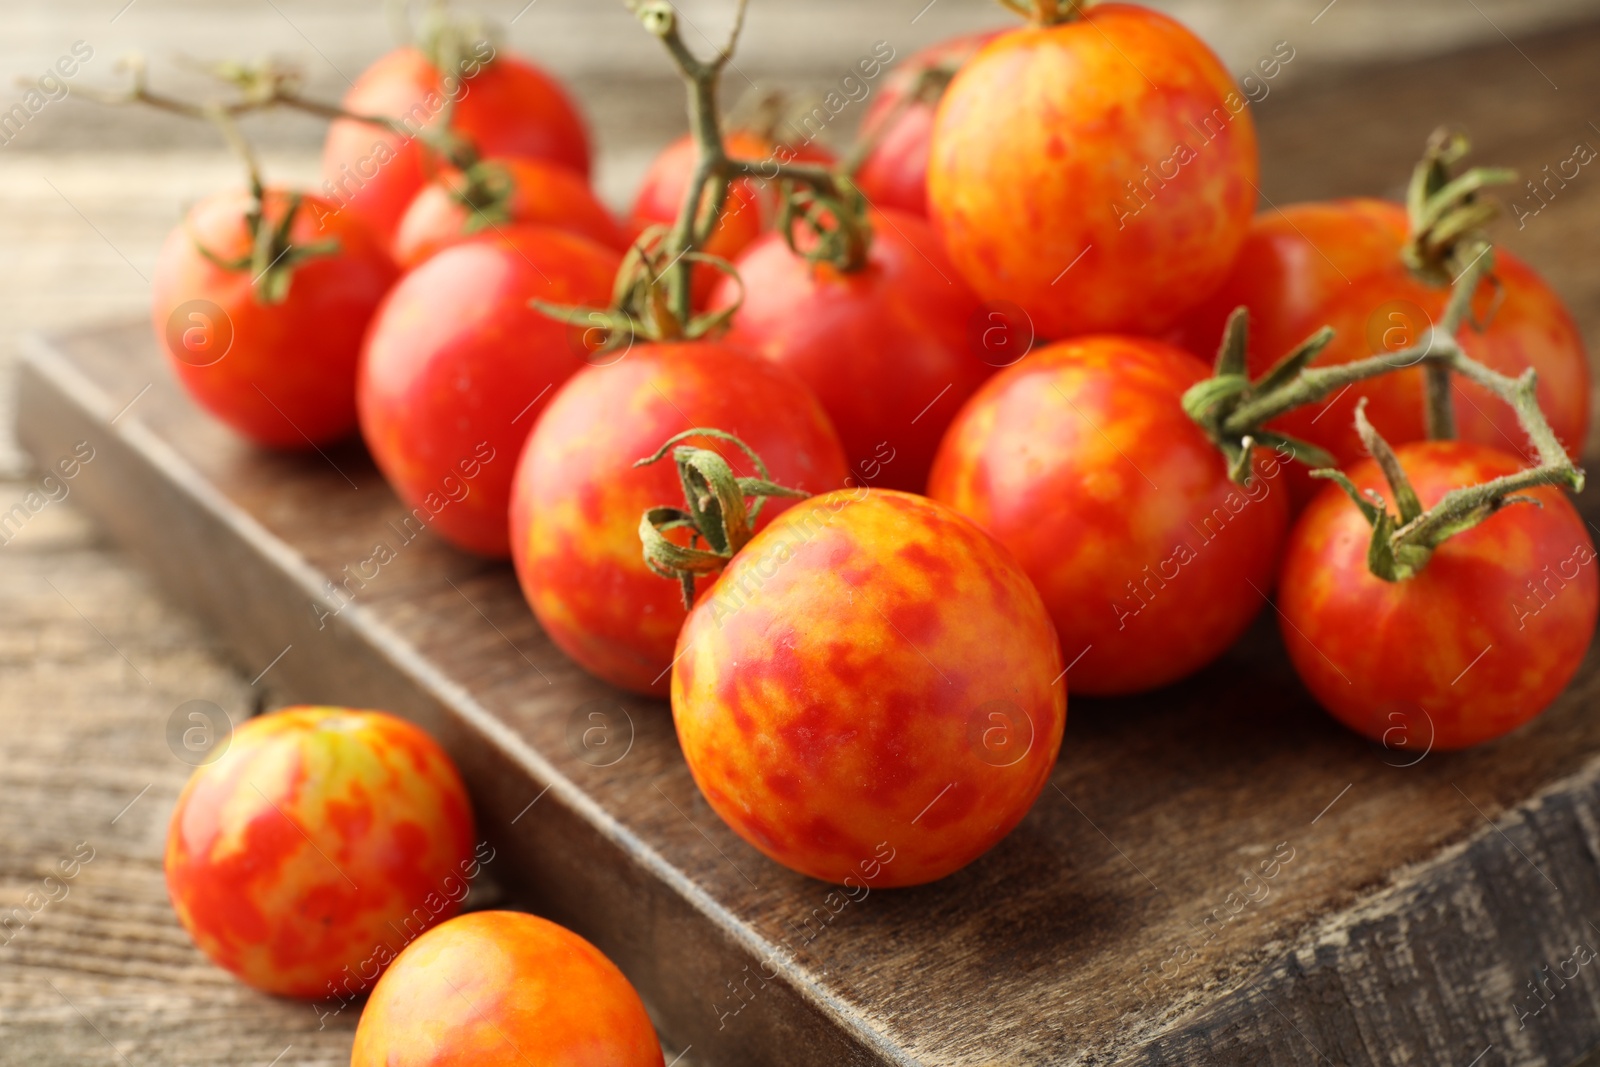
x=894, y=173
x=504, y=107
x=884, y=348
x=1081, y=461
x=578, y=498
x=871, y=692
x=502, y=987
x=541, y=193
x=281, y=374
x=751, y=205
x=1338, y=264
x=1481, y=640
x=1100, y=173
x=316, y=846
x=457, y=368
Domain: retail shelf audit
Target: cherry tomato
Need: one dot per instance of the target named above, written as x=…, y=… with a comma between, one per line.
x=750, y=209
x=1338, y=264
x=1081, y=461
x=318, y=844
x=542, y=194
x=505, y=106
x=502, y=987
x=281, y=374
x=894, y=173
x=1100, y=173
x=886, y=348
x=457, y=368
x=578, y=498
x=871, y=693
x=1481, y=640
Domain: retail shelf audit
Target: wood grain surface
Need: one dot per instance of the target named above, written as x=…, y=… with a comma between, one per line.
x=1420, y=888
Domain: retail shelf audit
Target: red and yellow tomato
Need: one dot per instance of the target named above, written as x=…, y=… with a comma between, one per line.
x=321, y=841
x=871, y=693
x=886, y=348
x=1481, y=640
x=578, y=498
x=1082, y=461
x=503, y=987
x=458, y=366
x=1100, y=173
x=282, y=374
x=1338, y=264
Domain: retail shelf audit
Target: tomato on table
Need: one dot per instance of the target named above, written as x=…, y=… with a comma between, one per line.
x=871, y=691
x=503, y=987
x=1100, y=173
x=271, y=353
x=1477, y=643
x=1082, y=461
x=316, y=846
x=458, y=366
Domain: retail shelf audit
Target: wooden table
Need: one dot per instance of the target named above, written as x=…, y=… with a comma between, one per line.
x=96, y=662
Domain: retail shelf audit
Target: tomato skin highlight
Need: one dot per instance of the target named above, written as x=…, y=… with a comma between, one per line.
x=894, y=174
x=1100, y=173
x=1082, y=462
x=1476, y=644
x=503, y=987
x=832, y=691
x=287, y=378
x=508, y=107
x=457, y=367
x=1337, y=263
x=545, y=195
x=577, y=498
x=323, y=839
x=885, y=348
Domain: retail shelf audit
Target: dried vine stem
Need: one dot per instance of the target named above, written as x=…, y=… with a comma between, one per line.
x=1048, y=12
x=1234, y=411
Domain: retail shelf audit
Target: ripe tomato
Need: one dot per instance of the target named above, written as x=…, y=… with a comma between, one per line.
x=499, y=987
x=1338, y=264
x=1476, y=644
x=884, y=348
x=1081, y=461
x=316, y=846
x=751, y=205
x=281, y=374
x=1100, y=173
x=505, y=106
x=540, y=193
x=578, y=498
x=458, y=365
x=894, y=173
x=871, y=692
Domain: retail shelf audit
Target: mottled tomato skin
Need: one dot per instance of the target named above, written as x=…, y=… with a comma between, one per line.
x=322, y=839
x=287, y=377
x=1039, y=157
x=836, y=691
x=544, y=194
x=457, y=368
x=1337, y=263
x=1482, y=640
x=578, y=498
x=504, y=987
x=505, y=107
x=1081, y=461
x=894, y=174
x=885, y=348
x=750, y=209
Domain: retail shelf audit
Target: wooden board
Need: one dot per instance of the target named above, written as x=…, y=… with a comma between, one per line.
x=1418, y=900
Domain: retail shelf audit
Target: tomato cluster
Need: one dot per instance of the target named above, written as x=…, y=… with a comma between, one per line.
x=757, y=450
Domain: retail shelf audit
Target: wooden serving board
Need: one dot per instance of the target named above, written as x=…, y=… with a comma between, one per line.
x=1215, y=874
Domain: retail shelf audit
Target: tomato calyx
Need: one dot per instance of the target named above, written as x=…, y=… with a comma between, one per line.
x=273, y=256
x=715, y=512
x=1446, y=213
x=1048, y=12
